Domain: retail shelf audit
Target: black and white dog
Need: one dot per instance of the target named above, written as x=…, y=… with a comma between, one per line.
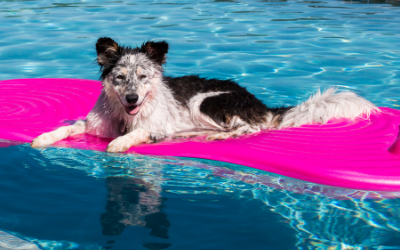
x=139, y=104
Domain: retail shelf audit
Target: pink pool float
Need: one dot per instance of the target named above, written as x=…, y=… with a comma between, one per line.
x=360, y=154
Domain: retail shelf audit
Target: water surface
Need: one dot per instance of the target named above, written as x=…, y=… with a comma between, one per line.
x=282, y=51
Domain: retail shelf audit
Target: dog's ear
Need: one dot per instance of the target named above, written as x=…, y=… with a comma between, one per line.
x=108, y=51
x=156, y=51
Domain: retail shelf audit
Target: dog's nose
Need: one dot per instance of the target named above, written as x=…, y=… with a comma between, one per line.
x=132, y=98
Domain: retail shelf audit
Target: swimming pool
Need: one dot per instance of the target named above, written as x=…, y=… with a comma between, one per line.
x=282, y=51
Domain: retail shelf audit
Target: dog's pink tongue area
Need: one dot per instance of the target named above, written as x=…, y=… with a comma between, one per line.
x=134, y=111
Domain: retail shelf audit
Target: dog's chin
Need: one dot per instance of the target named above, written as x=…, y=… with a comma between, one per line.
x=132, y=110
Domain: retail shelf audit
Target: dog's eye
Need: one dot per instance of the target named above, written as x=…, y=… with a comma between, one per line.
x=142, y=77
x=120, y=77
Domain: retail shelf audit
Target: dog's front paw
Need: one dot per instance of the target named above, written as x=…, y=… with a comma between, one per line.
x=42, y=141
x=120, y=144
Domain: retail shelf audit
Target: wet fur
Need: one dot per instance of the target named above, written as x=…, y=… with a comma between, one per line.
x=185, y=106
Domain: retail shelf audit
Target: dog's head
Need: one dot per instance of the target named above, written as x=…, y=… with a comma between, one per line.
x=130, y=74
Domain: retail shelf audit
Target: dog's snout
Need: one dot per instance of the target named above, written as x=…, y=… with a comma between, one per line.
x=132, y=98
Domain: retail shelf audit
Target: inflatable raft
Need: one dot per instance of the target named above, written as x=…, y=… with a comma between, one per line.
x=360, y=154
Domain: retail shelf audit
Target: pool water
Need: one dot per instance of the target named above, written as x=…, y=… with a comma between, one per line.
x=282, y=51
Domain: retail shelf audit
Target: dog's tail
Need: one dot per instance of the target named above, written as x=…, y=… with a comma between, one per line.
x=321, y=107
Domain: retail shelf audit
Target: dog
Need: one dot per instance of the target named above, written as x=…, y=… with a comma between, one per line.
x=138, y=104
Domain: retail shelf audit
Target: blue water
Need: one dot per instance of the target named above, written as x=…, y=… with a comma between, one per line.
x=282, y=51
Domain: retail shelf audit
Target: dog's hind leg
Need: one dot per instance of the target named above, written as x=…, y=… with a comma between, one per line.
x=123, y=143
x=194, y=133
x=242, y=130
x=49, y=138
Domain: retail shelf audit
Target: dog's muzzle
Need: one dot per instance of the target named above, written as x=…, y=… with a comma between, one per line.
x=133, y=107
